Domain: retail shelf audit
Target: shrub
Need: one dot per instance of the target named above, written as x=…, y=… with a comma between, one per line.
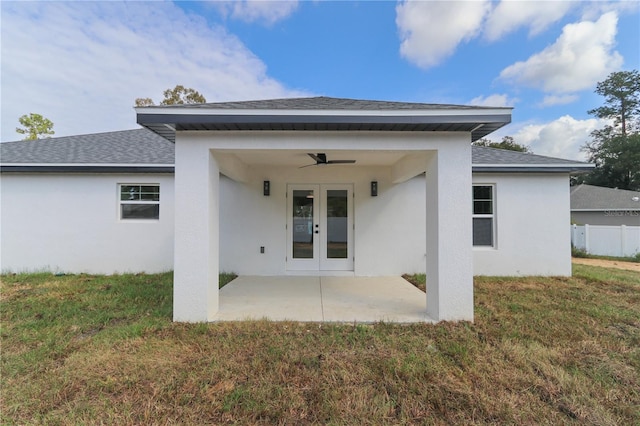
x=578, y=252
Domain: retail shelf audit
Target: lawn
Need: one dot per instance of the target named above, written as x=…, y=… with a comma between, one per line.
x=83, y=349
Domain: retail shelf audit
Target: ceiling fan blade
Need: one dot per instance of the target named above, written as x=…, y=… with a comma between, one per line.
x=320, y=158
x=341, y=161
x=308, y=165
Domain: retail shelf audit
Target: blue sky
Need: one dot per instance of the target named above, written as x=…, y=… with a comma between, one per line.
x=82, y=64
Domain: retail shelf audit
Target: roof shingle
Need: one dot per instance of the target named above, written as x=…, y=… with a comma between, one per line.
x=139, y=146
x=144, y=147
x=589, y=197
x=323, y=103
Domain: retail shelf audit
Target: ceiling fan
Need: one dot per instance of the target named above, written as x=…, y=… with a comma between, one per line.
x=321, y=159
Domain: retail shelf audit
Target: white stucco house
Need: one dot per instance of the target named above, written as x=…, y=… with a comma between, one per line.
x=316, y=186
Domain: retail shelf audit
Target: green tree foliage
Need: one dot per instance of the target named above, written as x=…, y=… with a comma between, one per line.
x=143, y=102
x=621, y=91
x=507, y=143
x=179, y=95
x=35, y=126
x=615, y=149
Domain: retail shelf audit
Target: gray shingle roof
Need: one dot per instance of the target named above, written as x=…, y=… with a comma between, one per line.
x=323, y=114
x=589, y=197
x=323, y=103
x=484, y=157
x=138, y=146
x=146, y=148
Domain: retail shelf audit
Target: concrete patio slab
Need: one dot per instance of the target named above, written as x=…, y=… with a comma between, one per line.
x=372, y=299
x=274, y=298
x=317, y=299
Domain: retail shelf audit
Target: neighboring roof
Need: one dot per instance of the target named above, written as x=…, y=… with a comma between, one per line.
x=597, y=198
x=489, y=160
x=323, y=113
x=127, y=150
x=141, y=150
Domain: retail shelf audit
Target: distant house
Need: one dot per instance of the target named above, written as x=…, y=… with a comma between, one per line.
x=595, y=205
x=308, y=186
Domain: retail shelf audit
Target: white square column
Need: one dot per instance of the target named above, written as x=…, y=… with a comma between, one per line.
x=196, y=264
x=449, y=268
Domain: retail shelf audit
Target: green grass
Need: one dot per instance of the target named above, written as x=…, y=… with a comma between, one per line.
x=225, y=278
x=83, y=349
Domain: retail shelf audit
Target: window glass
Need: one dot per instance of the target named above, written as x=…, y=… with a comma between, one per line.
x=482, y=192
x=139, y=201
x=482, y=200
x=140, y=211
x=483, y=216
x=482, y=231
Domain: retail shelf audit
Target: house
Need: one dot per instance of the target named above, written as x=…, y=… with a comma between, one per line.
x=316, y=186
x=596, y=205
x=605, y=221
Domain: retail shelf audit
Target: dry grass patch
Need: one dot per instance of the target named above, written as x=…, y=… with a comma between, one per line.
x=542, y=350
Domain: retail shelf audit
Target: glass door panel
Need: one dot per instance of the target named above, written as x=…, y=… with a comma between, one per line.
x=303, y=203
x=337, y=224
x=319, y=227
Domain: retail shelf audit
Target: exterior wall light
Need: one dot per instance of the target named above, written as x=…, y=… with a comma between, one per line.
x=374, y=188
x=266, y=188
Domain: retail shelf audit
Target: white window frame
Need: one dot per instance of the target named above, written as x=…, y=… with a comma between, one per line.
x=122, y=202
x=492, y=216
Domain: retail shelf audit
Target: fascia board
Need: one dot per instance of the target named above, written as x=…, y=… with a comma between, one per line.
x=324, y=113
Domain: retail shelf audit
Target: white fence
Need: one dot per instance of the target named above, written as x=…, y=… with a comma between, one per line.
x=607, y=240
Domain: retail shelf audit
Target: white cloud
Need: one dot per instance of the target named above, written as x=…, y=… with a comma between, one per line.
x=266, y=11
x=580, y=57
x=82, y=64
x=550, y=100
x=508, y=16
x=495, y=100
x=563, y=137
x=430, y=31
x=594, y=9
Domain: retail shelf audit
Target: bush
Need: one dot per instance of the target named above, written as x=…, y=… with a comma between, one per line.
x=578, y=252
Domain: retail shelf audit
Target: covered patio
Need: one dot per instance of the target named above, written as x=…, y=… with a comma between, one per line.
x=243, y=178
x=322, y=299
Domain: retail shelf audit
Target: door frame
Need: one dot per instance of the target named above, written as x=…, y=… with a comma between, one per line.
x=320, y=263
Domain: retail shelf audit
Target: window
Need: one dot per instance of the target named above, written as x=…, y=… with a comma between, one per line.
x=483, y=216
x=139, y=201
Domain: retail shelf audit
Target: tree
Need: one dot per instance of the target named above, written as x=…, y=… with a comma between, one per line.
x=179, y=95
x=615, y=149
x=621, y=91
x=142, y=102
x=507, y=143
x=35, y=126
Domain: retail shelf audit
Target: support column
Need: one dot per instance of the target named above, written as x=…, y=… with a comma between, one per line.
x=196, y=264
x=449, y=233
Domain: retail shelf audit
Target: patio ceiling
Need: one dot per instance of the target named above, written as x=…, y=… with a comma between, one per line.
x=298, y=158
x=167, y=125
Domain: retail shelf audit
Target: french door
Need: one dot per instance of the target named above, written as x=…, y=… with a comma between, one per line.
x=320, y=227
